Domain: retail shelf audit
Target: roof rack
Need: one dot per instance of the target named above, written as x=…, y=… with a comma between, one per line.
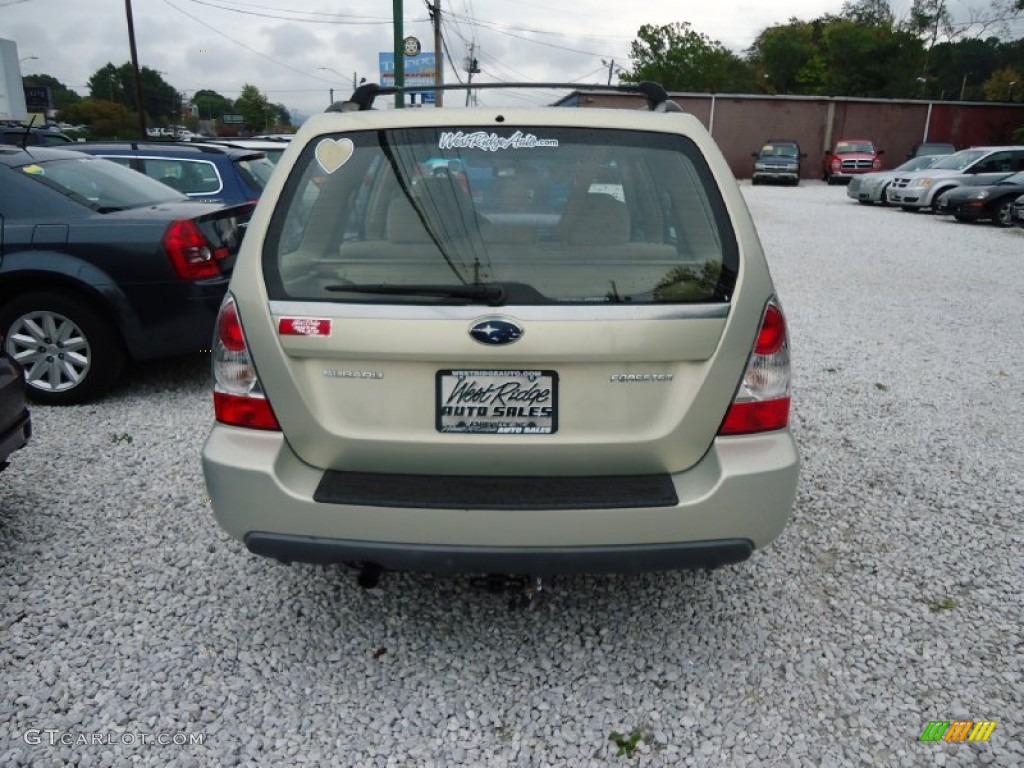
x=363, y=97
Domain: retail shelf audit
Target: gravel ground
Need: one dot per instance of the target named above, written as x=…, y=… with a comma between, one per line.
x=892, y=599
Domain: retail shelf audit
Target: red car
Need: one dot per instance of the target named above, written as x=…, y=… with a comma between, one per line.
x=851, y=157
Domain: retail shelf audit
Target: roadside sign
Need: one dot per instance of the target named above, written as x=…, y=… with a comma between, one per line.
x=233, y=119
x=38, y=98
x=420, y=70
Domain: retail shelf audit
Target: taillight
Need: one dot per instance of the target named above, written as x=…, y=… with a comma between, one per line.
x=238, y=397
x=190, y=253
x=762, y=402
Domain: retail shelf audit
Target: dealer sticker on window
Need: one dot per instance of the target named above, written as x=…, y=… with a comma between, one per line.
x=504, y=402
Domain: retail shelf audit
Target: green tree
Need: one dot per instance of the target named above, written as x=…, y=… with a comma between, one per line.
x=682, y=59
x=870, y=61
x=211, y=105
x=159, y=98
x=281, y=116
x=872, y=13
x=958, y=70
x=253, y=106
x=105, y=119
x=782, y=53
x=106, y=84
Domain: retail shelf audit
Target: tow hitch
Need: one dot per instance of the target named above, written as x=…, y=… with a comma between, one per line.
x=526, y=590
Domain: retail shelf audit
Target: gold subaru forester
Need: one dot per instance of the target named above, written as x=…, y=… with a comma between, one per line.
x=502, y=341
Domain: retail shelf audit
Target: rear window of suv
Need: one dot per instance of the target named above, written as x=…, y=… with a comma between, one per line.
x=549, y=215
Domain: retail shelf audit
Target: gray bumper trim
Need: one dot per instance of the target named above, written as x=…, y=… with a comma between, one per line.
x=533, y=561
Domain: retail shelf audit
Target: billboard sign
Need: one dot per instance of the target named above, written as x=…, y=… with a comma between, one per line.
x=38, y=98
x=420, y=70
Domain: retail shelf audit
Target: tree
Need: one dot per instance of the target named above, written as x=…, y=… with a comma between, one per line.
x=682, y=59
x=1005, y=84
x=106, y=84
x=281, y=116
x=872, y=13
x=870, y=61
x=211, y=105
x=159, y=98
x=958, y=70
x=105, y=119
x=252, y=105
x=782, y=54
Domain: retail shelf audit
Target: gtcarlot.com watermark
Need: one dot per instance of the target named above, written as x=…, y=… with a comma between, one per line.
x=38, y=736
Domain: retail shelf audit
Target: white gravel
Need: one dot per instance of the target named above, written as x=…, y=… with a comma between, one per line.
x=892, y=599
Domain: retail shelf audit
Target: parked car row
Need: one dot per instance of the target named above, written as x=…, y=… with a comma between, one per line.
x=778, y=160
x=980, y=183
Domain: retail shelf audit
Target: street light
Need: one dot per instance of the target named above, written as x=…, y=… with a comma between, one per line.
x=27, y=58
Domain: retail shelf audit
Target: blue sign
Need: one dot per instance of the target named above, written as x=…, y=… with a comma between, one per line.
x=420, y=70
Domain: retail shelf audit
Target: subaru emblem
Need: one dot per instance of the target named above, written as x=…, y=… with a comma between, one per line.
x=495, y=330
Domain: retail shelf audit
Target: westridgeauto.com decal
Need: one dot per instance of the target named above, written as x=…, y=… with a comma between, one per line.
x=492, y=142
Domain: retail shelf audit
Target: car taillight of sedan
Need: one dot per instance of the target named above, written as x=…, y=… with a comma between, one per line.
x=191, y=254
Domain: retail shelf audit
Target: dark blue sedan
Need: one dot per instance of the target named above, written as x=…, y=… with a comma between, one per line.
x=100, y=265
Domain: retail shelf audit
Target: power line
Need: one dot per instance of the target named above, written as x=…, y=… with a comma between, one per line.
x=335, y=18
x=499, y=30
x=243, y=45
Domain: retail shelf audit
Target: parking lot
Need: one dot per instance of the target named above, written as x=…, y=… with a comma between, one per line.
x=131, y=623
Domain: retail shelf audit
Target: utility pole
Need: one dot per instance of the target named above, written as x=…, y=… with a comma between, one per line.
x=399, y=46
x=435, y=15
x=135, y=70
x=611, y=67
x=473, y=68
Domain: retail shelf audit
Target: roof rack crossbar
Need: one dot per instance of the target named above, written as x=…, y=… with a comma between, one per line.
x=363, y=97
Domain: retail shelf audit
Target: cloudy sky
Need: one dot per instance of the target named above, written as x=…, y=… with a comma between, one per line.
x=295, y=51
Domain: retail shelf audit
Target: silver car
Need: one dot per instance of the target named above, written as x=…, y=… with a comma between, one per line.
x=565, y=353
x=917, y=190
x=871, y=188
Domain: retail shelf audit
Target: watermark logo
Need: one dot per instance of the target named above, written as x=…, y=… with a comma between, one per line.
x=37, y=736
x=958, y=730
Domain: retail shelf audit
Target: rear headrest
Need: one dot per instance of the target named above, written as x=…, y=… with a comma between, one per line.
x=403, y=223
x=602, y=220
x=442, y=201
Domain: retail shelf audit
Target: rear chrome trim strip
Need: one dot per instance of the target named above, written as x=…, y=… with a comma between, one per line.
x=521, y=312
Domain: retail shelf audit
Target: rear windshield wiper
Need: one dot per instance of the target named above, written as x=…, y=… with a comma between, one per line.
x=490, y=294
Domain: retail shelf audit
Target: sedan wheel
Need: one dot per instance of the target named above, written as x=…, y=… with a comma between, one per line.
x=68, y=351
x=1004, y=214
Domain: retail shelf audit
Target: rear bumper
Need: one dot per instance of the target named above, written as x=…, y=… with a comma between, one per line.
x=534, y=561
x=165, y=319
x=736, y=499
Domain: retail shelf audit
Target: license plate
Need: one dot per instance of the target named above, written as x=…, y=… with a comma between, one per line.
x=503, y=402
